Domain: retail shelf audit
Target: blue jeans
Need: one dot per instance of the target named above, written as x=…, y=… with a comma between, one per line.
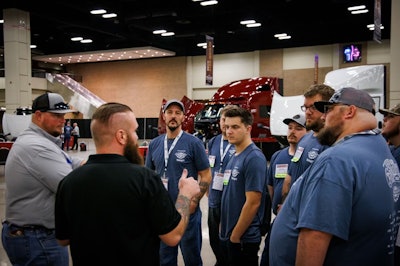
x=33, y=246
x=190, y=245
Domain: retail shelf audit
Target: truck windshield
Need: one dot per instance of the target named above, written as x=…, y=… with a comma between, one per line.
x=209, y=112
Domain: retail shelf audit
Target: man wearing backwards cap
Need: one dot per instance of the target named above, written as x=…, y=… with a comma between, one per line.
x=34, y=167
x=391, y=132
x=168, y=155
x=278, y=168
x=342, y=209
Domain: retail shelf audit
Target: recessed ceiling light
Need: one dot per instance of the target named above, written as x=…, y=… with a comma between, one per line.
x=280, y=35
x=285, y=37
x=253, y=25
x=111, y=15
x=352, y=8
x=209, y=3
x=33, y=46
x=98, y=11
x=75, y=39
x=159, y=31
x=359, y=11
x=249, y=21
x=168, y=34
x=86, y=41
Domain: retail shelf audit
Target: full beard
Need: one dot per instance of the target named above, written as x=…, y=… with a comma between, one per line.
x=328, y=136
x=131, y=152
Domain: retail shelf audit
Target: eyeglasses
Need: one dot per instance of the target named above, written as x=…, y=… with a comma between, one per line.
x=311, y=108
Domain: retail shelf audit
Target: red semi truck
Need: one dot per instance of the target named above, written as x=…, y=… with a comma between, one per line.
x=254, y=94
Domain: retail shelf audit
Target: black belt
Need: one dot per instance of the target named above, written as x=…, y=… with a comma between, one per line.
x=29, y=227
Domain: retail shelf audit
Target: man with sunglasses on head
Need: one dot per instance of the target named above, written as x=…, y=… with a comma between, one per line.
x=308, y=147
x=344, y=209
x=34, y=167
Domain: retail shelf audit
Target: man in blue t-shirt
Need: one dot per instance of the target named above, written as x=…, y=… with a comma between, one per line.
x=344, y=209
x=243, y=196
x=391, y=132
x=168, y=155
x=219, y=153
x=278, y=167
x=308, y=147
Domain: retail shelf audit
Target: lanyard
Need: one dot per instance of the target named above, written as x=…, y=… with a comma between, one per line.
x=222, y=153
x=168, y=152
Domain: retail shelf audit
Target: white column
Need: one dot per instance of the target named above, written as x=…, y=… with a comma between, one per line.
x=17, y=59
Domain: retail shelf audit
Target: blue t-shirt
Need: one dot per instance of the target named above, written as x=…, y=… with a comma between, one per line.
x=217, y=167
x=189, y=153
x=276, y=173
x=308, y=149
x=352, y=192
x=247, y=173
x=396, y=153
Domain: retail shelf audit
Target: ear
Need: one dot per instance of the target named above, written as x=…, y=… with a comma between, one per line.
x=121, y=136
x=350, y=112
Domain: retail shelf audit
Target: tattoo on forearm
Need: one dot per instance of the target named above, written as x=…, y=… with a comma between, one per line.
x=203, y=187
x=183, y=207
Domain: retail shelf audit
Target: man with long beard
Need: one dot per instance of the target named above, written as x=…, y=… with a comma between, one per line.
x=113, y=210
x=168, y=155
x=343, y=210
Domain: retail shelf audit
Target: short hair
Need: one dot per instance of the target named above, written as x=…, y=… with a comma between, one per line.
x=105, y=111
x=226, y=108
x=325, y=91
x=245, y=116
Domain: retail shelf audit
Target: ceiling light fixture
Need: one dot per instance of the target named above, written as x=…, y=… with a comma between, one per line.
x=280, y=35
x=159, y=31
x=111, y=15
x=98, y=11
x=86, y=41
x=372, y=27
x=359, y=11
x=209, y=3
x=253, y=25
x=352, y=8
x=170, y=33
x=249, y=21
x=32, y=46
x=285, y=37
x=76, y=39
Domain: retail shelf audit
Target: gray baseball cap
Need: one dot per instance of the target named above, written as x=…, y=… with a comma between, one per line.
x=299, y=119
x=52, y=103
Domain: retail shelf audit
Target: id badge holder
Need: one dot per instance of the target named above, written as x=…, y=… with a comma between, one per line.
x=227, y=176
x=164, y=180
x=218, y=181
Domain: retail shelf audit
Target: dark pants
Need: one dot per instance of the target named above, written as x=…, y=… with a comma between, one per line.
x=75, y=142
x=214, y=218
x=239, y=254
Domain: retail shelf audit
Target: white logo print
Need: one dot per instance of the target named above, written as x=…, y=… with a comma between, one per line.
x=180, y=156
x=392, y=177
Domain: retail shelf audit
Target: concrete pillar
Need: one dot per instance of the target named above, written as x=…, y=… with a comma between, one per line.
x=17, y=59
x=395, y=54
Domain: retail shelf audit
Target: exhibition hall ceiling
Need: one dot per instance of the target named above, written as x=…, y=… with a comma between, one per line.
x=308, y=23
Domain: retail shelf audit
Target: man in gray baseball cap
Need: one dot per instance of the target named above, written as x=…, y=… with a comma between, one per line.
x=34, y=167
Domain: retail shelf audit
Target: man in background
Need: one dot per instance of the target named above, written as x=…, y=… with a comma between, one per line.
x=278, y=167
x=308, y=148
x=168, y=155
x=114, y=211
x=243, y=196
x=219, y=153
x=75, y=133
x=391, y=132
x=34, y=167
